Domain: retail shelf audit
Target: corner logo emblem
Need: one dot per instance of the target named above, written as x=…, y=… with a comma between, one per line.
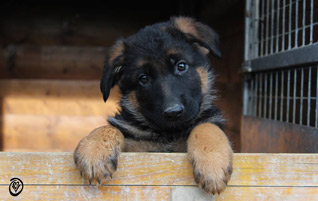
x=16, y=186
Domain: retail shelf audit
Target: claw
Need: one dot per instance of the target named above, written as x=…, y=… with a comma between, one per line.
x=111, y=175
x=90, y=182
x=75, y=159
x=98, y=180
x=106, y=175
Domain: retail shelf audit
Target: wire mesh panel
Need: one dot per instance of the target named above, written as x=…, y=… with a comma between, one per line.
x=281, y=61
x=282, y=25
x=287, y=95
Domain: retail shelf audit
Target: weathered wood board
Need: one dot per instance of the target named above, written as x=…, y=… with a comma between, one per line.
x=259, y=135
x=51, y=115
x=158, y=176
x=52, y=62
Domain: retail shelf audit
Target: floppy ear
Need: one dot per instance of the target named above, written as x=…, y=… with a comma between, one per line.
x=113, y=68
x=199, y=33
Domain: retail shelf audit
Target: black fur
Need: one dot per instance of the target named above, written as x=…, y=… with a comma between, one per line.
x=147, y=52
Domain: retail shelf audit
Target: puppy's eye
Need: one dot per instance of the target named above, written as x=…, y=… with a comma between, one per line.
x=143, y=79
x=181, y=67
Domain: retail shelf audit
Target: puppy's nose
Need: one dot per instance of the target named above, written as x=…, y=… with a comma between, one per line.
x=174, y=112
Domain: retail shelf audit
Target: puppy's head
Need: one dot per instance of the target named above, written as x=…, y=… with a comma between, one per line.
x=163, y=71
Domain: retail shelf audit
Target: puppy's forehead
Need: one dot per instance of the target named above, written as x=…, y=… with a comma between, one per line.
x=160, y=61
x=153, y=40
x=157, y=50
x=148, y=41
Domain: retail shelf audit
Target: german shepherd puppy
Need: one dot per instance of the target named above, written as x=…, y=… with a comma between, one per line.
x=166, y=82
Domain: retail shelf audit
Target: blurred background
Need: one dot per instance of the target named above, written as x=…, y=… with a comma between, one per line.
x=52, y=55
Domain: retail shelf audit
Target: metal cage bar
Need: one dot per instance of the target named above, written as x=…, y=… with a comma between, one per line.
x=282, y=96
x=304, y=21
x=268, y=33
x=287, y=95
x=309, y=96
x=281, y=62
x=294, y=96
x=316, y=119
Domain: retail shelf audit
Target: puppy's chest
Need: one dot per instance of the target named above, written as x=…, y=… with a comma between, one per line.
x=133, y=145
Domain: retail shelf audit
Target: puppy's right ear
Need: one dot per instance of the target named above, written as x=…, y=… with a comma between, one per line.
x=113, y=68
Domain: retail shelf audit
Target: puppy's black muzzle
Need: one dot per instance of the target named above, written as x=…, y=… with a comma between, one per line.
x=174, y=112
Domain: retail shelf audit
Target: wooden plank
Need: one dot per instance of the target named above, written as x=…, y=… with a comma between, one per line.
x=56, y=97
x=154, y=193
x=264, y=135
x=269, y=193
x=51, y=115
x=38, y=26
x=46, y=132
x=133, y=169
x=55, y=88
x=153, y=176
x=163, y=169
x=119, y=193
x=51, y=88
x=52, y=62
x=58, y=106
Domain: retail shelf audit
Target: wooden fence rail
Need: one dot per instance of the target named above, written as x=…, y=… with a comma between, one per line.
x=160, y=176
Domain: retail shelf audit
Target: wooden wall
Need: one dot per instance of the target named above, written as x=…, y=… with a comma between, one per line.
x=51, y=58
x=227, y=18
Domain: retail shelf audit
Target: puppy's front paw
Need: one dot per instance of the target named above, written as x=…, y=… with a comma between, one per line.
x=213, y=174
x=211, y=155
x=96, y=154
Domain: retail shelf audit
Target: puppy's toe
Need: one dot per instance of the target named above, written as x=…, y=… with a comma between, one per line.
x=97, y=158
x=212, y=181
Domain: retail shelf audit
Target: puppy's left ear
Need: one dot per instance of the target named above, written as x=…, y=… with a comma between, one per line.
x=113, y=68
x=196, y=32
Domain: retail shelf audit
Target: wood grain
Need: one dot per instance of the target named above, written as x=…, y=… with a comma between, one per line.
x=52, y=62
x=47, y=132
x=163, y=169
x=51, y=115
x=52, y=88
x=151, y=176
x=89, y=193
x=269, y=136
x=88, y=28
x=56, y=97
x=119, y=193
x=154, y=193
x=58, y=106
x=269, y=194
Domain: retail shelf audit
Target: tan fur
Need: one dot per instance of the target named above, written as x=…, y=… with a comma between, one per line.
x=203, y=50
x=173, y=51
x=211, y=155
x=186, y=25
x=204, y=79
x=141, y=62
x=150, y=146
x=133, y=99
x=96, y=153
x=116, y=50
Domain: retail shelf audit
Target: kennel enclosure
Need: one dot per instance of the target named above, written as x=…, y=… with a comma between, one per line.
x=280, y=112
